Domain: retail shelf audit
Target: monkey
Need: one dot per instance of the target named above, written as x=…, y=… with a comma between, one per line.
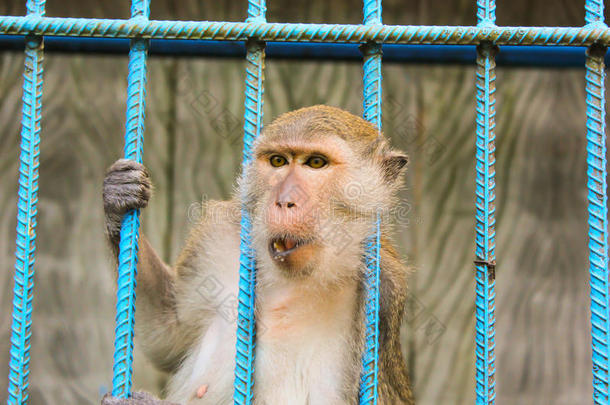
x=315, y=172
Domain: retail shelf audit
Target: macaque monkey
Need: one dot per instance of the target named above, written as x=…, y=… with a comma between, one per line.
x=316, y=173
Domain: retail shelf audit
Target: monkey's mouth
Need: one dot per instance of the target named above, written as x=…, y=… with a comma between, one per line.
x=280, y=248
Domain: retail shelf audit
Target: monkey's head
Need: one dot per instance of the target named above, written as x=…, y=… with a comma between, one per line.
x=318, y=180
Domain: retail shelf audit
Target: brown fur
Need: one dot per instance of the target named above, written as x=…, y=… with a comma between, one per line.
x=173, y=311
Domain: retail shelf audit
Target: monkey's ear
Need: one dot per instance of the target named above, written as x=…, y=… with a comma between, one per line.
x=394, y=164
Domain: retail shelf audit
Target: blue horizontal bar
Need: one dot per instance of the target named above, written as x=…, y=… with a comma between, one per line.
x=532, y=56
x=292, y=32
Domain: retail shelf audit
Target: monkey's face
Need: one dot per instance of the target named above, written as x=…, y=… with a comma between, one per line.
x=296, y=181
x=313, y=193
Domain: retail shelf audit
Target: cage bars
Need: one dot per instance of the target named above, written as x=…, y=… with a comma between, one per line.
x=128, y=246
x=21, y=329
x=485, y=263
x=296, y=32
x=253, y=123
x=598, y=210
x=371, y=106
x=524, y=55
x=371, y=34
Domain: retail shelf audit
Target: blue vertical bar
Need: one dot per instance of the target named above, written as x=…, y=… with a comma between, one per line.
x=594, y=11
x=26, y=215
x=372, y=112
x=598, y=211
x=128, y=247
x=485, y=212
x=243, y=393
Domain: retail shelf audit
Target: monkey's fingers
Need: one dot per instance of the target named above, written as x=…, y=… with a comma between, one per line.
x=137, y=398
x=121, y=197
x=127, y=164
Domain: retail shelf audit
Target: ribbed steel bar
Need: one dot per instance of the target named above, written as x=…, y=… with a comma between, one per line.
x=485, y=226
x=257, y=10
x=598, y=221
x=371, y=102
x=128, y=247
x=594, y=11
x=19, y=363
x=486, y=13
x=282, y=32
x=598, y=210
x=485, y=263
x=368, y=392
x=243, y=393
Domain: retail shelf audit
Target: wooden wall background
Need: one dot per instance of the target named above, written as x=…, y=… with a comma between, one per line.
x=193, y=150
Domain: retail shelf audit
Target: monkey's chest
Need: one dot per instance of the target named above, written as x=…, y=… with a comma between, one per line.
x=305, y=357
x=313, y=369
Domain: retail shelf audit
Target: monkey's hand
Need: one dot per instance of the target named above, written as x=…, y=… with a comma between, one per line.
x=137, y=398
x=127, y=186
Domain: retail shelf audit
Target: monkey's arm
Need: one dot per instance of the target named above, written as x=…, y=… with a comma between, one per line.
x=394, y=384
x=164, y=338
x=175, y=306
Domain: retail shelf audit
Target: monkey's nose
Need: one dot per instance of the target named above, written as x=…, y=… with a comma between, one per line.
x=285, y=204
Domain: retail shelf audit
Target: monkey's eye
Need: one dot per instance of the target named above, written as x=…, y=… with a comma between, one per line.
x=277, y=161
x=316, y=162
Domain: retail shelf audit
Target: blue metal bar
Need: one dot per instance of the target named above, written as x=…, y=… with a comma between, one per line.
x=595, y=77
x=368, y=392
x=128, y=247
x=292, y=32
x=372, y=12
x=486, y=13
x=485, y=212
x=402, y=43
x=598, y=222
x=372, y=112
x=243, y=393
x=594, y=11
x=527, y=55
x=257, y=10
x=19, y=363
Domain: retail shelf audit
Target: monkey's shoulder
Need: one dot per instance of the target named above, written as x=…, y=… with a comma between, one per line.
x=214, y=238
x=217, y=214
x=391, y=261
x=217, y=217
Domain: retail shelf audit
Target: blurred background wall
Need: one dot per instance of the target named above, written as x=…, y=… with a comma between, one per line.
x=193, y=149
